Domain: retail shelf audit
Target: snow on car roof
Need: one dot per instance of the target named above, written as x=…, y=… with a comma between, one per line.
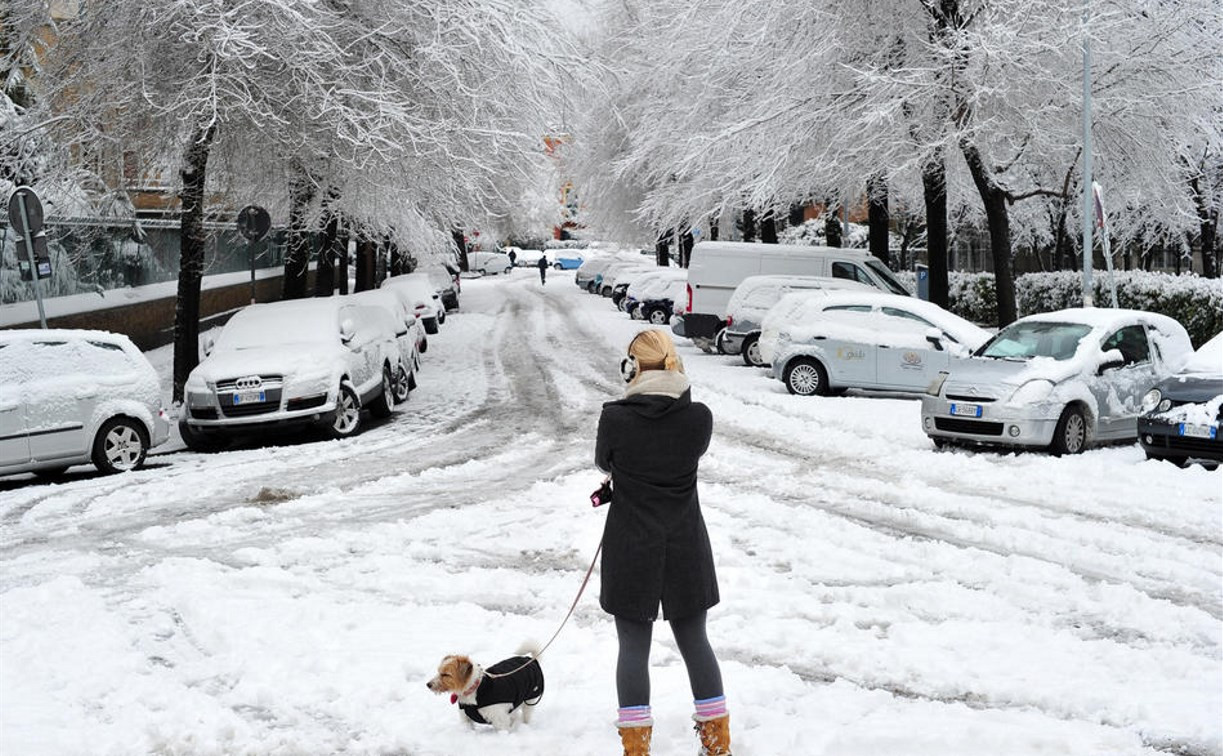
x=1170, y=337
x=1208, y=359
x=967, y=333
x=52, y=334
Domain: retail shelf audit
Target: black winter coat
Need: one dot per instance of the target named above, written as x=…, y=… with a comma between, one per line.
x=655, y=546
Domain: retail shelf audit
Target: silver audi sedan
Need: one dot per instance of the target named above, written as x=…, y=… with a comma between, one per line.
x=1059, y=380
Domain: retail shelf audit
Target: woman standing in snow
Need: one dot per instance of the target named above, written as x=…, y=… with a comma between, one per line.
x=655, y=546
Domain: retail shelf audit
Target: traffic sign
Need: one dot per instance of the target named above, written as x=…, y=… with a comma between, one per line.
x=254, y=222
x=25, y=196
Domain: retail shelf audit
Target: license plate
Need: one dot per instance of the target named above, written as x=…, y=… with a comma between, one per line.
x=248, y=397
x=1198, y=431
x=966, y=410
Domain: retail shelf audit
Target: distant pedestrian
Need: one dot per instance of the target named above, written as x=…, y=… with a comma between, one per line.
x=655, y=547
x=513, y=257
x=543, y=269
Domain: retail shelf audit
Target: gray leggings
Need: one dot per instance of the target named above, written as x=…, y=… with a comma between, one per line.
x=633, y=664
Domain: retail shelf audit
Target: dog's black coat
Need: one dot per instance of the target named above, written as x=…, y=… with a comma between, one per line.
x=524, y=685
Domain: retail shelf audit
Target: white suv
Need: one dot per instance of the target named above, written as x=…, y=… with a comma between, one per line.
x=73, y=397
x=308, y=361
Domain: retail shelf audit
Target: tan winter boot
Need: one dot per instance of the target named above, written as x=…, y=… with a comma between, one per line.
x=636, y=739
x=714, y=735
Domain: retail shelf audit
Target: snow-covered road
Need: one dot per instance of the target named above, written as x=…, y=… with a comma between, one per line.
x=879, y=597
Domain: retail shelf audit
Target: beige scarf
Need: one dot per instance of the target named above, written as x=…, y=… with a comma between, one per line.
x=670, y=383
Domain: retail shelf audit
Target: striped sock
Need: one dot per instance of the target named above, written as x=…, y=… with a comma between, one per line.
x=634, y=716
x=710, y=708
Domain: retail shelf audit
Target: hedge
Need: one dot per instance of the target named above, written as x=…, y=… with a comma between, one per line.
x=1197, y=303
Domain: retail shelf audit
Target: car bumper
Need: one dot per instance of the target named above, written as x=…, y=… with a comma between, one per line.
x=697, y=326
x=211, y=418
x=161, y=429
x=998, y=423
x=732, y=342
x=1164, y=439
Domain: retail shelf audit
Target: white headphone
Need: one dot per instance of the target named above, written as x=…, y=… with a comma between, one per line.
x=628, y=368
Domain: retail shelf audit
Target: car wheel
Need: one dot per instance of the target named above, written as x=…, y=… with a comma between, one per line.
x=751, y=351
x=805, y=376
x=51, y=473
x=121, y=445
x=558, y=266
x=382, y=404
x=441, y=316
x=940, y=442
x=658, y=316
x=590, y=287
x=412, y=381
x=199, y=440
x=347, y=418
x=430, y=326
x=1070, y=436
x=403, y=385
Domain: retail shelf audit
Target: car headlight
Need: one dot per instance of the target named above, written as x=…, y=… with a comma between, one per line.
x=1032, y=392
x=308, y=385
x=1152, y=400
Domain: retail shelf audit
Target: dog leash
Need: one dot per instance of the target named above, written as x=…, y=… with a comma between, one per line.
x=535, y=657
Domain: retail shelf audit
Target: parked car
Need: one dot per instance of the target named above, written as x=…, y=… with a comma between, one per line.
x=659, y=306
x=717, y=268
x=649, y=286
x=589, y=269
x=409, y=334
x=754, y=297
x=71, y=397
x=309, y=362
x=605, y=282
x=426, y=302
x=446, y=282
x=566, y=259
x=489, y=263
x=826, y=343
x=620, y=283
x=1183, y=414
x=1058, y=380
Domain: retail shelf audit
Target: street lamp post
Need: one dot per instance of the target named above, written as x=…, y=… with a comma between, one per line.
x=1087, y=200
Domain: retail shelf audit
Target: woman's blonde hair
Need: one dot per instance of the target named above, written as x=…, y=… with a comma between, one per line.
x=655, y=350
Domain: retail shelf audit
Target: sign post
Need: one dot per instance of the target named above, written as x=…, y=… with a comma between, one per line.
x=254, y=224
x=33, y=259
x=1102, y=224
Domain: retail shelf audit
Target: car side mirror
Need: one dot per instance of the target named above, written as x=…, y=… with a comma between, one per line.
x=209, y=343
x=935, y=337
x=347, y=330
x=1109, y=360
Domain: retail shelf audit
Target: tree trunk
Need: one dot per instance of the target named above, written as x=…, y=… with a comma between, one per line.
x=832, y=225
x=460, y=246
x=768, y=228
x=1208, y=222
x=662, y=250
x=934, y=189
x=749, y=225
x=192, y=242
x=713, y=228
x=297, y=254
x=367, y=251
x=324, y=276
x=341, y=249
x=796, y=215
x=877, y=218
x=397, y=262
x=686, y=243
x=998, y=217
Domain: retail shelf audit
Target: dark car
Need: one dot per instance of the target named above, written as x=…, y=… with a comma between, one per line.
x=1183, y=416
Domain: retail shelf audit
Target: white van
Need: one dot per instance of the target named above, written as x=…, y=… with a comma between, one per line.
x=717, y=268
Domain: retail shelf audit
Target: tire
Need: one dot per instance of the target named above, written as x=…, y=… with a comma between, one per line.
x=940, y=442
x=590, y=287
x=121, y=445
x=424, y=345
x=198, y=440
x=430, y=326
x=805, y=376
x=441, y=316
x=719, y=341
x=750, y=351
x=347, y=418
x=412, y=381
x=383, y=404
x=558, y=266
x=1174, y=459
x=403, y=385
x=1070, y=435
x=658, y=316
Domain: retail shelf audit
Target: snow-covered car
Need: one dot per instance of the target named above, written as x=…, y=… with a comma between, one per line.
x=489, y=263
x=590, y=268
x=754, y=297
x=1183, y=414
x=565, y=259
x=626, y=279
x=867, y=340
x=426, y=302
x=446, y=281
x=649, y=286
x=605, y=282
x=528, y=258
x=70, y=397
x=315, y=362
x=409, y=334
x=660, y=305
x=1058, y=380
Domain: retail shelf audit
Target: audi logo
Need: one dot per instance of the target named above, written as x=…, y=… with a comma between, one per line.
x=249, y=382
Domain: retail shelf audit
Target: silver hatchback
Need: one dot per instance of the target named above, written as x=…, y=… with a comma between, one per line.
x=70, y=397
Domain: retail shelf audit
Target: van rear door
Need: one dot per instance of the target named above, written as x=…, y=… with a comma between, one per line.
x=714, y=274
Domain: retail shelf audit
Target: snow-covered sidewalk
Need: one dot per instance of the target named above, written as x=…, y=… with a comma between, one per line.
x=879, y=597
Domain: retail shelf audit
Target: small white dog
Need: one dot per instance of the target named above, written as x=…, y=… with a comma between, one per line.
x=492, y=696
